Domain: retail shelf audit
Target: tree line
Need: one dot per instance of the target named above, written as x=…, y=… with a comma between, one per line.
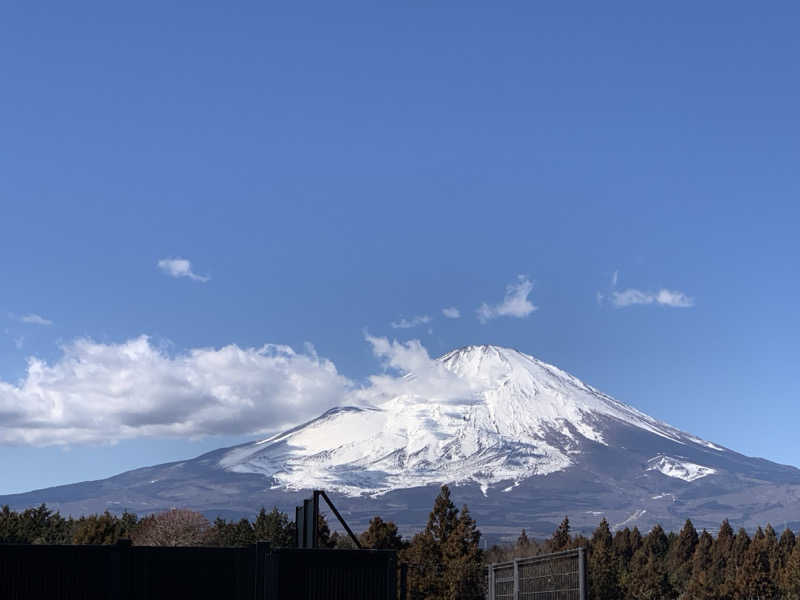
x=627, y=565
x=446, y=561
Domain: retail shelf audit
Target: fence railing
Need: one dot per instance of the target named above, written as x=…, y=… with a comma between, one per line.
x=125, y=572
x=556, y=576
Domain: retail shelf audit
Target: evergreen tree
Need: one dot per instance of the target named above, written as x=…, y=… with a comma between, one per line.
x=790, y=577
x=755, y=578
x=445, y=558
x=786, y=545
x=602, y=565
x=10, y=527
x=425, y=554
x=463, y=560
x=381, y=535
x=785, y=548
x=732, y=556
x=679, y=558
x=701, y=585
x=324, y=533
x=626, y=543
x=523, y=543
x=561, y=539
x=102, y=529
x=128, y=522
x=274, y=527
x=723, y=566
x=648, y=575
x=342, y=541
x=771, y=541
x=40, y=525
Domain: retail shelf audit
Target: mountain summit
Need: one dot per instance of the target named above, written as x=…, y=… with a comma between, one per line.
x=506, y=417
x=524, y=442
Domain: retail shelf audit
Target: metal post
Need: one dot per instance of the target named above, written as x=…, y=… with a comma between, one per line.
x=299, y=522
x=492, y=585
x=404, y=581
x=581, y=574
x=516, y=579
x=315, y=526
x=309, y=528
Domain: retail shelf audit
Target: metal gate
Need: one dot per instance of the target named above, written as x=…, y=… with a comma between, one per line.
x=557, y=576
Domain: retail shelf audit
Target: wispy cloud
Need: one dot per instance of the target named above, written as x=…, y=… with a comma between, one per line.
x=34, y=319
x=412, y=322
x=180, y=267
x=431, y=379
x=633, y=296
x=663, y=297
x=451, y=312
x=515, y=303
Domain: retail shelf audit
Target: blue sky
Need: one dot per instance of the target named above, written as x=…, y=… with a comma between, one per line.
x=330, y=169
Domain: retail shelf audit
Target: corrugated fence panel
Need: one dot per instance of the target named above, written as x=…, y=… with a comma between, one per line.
x=123, y=572
x=57, y=572
x=334, y=575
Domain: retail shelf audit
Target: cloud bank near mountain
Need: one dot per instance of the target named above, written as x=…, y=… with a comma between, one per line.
x=105, y=392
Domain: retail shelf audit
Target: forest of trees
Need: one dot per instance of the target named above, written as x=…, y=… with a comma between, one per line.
x=445, y=559
x=689, y=565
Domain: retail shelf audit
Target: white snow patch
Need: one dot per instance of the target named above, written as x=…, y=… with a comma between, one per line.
x=664, y=495
x=635, y=516
x=679, y=469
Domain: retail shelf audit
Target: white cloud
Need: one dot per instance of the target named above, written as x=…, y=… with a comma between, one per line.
x=451, y=312
x=416, y=374
x=614, y=279
x=180, y=267
x=105, y=392
x=101, y=393
x=515, y=303
x=30, y=319
x=412, y=322
x=34, y=319
x=663, y=297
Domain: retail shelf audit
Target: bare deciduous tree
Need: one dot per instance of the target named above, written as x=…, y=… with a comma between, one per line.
x=176, y=527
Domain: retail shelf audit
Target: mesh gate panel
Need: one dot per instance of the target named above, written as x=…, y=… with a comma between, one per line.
x=557, y=576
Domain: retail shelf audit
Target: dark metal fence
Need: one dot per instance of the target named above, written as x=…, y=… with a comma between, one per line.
x=123, y=572
x=558, y=576
x=318, y=574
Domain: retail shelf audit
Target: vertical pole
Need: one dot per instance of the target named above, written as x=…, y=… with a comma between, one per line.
x=581, y=574
x=492, y=585
x=315, y=525
x=516, y=579
x=309, y=529
x=299, y=523
x=404, y=581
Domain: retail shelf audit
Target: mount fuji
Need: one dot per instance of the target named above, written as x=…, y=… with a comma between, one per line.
x=523, y=442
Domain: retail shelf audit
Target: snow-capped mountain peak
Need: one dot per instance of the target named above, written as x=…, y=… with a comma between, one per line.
x=512, y=417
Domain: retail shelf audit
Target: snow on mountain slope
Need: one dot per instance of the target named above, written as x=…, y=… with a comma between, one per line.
x=679, y=469
x=512, y=417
